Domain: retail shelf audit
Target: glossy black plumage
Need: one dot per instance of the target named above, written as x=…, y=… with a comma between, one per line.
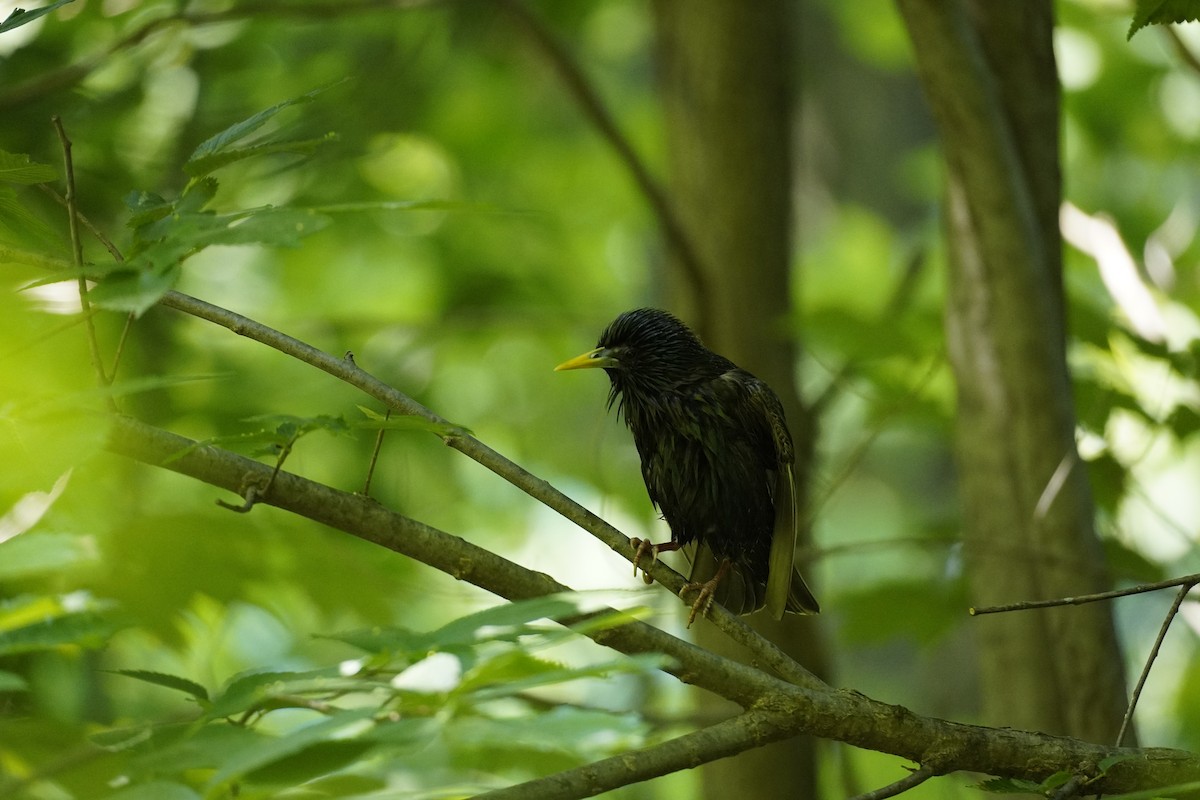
x=716, y=458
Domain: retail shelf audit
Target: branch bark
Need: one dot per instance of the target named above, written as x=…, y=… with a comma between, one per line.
x=780, y=709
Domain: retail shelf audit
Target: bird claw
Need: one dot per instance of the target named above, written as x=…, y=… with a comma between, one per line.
x=640, y=548
x=706, y=591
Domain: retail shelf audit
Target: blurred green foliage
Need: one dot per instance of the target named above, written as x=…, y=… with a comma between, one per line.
x=422, y=192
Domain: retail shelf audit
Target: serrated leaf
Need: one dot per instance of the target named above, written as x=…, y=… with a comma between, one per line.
x=164, y=679
x=1162, y=12
x=339, y=726
x=21, y=17
x=197, y=167
x=19, y=168
x=239, y=130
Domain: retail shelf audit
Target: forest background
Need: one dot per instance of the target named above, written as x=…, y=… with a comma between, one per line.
x=858, y=202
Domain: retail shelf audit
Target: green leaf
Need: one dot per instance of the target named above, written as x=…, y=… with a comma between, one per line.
x=197, y=167
x=163, y=679
x=1162, y=12
x=221, y=142
x=17, y=168
x=21, y=17
x=339, y=726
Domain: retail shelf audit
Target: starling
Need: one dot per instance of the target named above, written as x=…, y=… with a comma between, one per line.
x=716, y=458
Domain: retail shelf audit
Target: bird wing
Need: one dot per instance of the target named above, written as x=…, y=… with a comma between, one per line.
x=781, y=565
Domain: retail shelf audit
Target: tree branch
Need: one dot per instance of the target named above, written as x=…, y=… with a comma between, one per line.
x=730, y=737
x=764, y=652
x=789, y=710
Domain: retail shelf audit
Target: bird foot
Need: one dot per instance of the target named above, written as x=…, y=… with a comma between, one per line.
x=706, y=591
x=643, y=546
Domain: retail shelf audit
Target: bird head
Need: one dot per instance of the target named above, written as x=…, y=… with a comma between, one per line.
x=645, y=352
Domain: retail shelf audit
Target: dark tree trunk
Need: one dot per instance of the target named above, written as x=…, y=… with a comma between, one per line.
x=728, y=88
x=989, y=74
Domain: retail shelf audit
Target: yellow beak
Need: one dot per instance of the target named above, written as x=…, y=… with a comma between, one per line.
x=600, y=357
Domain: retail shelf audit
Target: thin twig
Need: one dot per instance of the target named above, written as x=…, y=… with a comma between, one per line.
x=116, y=254
x=1186, y=580
x=77, y=253
x=375, y=455
x=593, y=107
x=915, y=778
x=1162, y=633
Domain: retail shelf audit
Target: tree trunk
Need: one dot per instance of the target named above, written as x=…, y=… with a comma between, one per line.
x=727, y=86
x=989, y=74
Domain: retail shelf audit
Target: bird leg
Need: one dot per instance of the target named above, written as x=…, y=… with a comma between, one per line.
x=643, y=546
x=706, y=591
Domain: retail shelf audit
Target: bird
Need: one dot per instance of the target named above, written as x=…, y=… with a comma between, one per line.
x=717, y=460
